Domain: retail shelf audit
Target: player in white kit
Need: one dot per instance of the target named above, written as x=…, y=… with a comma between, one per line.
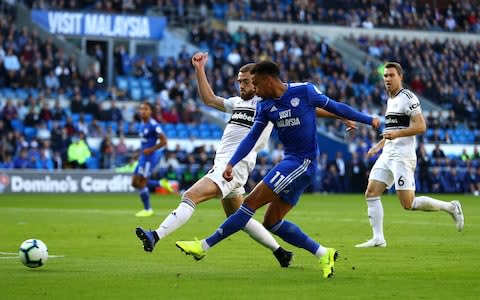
x=396, y=165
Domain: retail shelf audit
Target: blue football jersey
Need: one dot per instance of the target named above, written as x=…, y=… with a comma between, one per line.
x=148, y=133
x=294, y=118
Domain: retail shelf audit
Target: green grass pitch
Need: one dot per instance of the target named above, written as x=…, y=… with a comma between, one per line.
x=101, y=258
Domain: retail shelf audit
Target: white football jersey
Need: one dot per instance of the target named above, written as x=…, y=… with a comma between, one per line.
x=241, y=120
x=400, y=109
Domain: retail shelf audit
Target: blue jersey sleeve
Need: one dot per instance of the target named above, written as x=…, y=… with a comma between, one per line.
x=320, y=100
x=247, y=143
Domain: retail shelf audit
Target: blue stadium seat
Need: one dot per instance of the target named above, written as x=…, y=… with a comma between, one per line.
x=88, y=118
x=17, y=125
x=148, y=92
x=21, y=94
x=133, y=82
x=136, y=94
x=29, y=132
x=205, y=134
x=171, y=133
x=92, y=163
x=122, y=83
x=183, y=134
x=145, y=83
x=75, y=117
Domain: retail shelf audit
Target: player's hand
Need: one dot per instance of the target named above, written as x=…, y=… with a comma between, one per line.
x=351, y=125
x=376, y=123
x=391, y=134
x=371, y=152
x=148, y=151
x=199, y=59
x=228, y=173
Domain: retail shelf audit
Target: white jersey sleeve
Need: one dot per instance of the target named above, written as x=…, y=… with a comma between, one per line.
x=229, y=104
x=412, y=104
x=263, y=139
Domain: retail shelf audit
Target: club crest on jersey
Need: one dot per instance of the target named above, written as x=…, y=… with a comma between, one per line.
x=295, y=102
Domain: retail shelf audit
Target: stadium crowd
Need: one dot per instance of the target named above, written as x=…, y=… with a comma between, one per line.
x=428, y=15
x=48, y=108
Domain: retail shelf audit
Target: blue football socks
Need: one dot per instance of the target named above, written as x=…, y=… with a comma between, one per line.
x=145, y=196
x=292, y=234
x=233, y=224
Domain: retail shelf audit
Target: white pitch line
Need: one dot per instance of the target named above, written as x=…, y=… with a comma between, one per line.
x=321, y=216
x=10, y=254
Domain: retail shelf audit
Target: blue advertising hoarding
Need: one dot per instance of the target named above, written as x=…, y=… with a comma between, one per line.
x=104, y=25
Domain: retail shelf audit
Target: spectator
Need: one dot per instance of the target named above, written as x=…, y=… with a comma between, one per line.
x=78, y=152
x=356, y=172
x=107, y=152
x=21, y=161
x=438, y=152
x=452, y=182
x=43, y=162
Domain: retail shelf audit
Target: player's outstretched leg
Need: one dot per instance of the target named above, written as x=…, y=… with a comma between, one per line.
x=454, y=208
x=148, y=238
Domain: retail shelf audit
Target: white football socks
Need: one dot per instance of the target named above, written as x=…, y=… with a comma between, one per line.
x=176, y=218
x=375, y=216
x=260, y=234
x=430, y=204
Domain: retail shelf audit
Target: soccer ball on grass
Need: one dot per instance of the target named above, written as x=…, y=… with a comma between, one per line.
x=33, y=253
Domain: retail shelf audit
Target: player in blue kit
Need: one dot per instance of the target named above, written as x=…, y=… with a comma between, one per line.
x=291, y=108
x=150, y=132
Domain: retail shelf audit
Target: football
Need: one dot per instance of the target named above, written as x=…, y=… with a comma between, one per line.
x=33, y=253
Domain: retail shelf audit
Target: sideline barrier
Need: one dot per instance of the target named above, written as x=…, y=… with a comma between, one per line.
x=65, y=181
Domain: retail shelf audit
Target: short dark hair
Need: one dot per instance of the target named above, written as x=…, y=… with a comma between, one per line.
x=266, y=68
x=396, y=65
x=247, y=68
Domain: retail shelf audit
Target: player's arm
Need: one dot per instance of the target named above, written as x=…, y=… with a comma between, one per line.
x=204, y=89
x=342, y=110
x=417, y=126
x=321, y=113
x=246, y=145
x=162, y=142
x=375, y=148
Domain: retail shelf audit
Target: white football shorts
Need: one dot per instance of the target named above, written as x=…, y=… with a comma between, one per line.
x=390, y=171
x=240, y=177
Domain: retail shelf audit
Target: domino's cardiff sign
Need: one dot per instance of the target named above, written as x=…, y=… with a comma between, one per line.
x=65, y=181
x=103, y=25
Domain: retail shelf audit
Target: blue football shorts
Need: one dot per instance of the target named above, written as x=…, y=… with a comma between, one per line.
x=146, y=163
x=290, y=177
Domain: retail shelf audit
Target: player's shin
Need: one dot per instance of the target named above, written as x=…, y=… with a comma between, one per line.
x=176, y=218
x=260, y=234
x=292, y=234
x=145, y=197
x=430, y=204
x=233, y=224
x=375, y=216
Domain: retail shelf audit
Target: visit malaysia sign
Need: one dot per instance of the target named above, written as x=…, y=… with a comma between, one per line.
x=103, y=25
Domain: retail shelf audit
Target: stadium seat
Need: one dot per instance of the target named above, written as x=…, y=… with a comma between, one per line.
x=17, y=125
x=122, y=83
x=145, y=83
x=148, y=92
x=133, y=82
x=136, y=94
x=29, y=132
